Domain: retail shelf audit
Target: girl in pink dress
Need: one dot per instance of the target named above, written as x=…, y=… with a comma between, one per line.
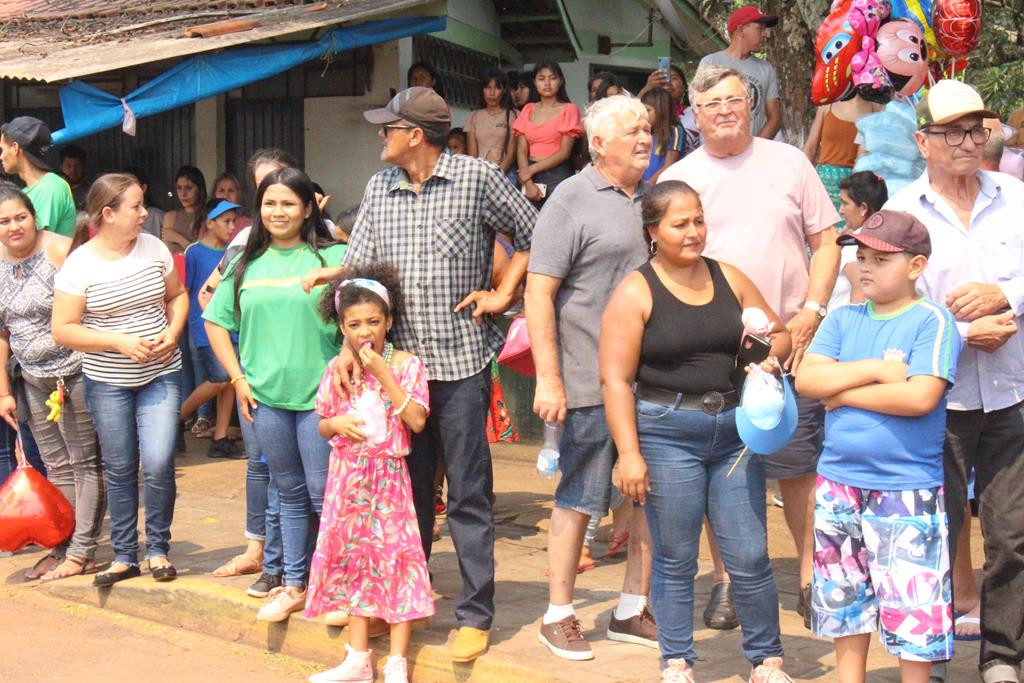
x=369, y=559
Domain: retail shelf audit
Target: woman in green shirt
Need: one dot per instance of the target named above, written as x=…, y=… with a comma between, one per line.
x=284, y=347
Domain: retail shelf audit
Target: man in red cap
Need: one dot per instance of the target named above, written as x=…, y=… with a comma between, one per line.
x=746, y=36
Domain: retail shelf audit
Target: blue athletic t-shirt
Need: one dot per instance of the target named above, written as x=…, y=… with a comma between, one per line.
x=200, y=261
x=875, y=450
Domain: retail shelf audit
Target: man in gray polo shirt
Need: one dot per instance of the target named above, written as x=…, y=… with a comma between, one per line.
x=587, y=238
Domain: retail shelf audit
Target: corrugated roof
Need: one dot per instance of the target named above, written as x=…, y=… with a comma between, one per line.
x=55, y=40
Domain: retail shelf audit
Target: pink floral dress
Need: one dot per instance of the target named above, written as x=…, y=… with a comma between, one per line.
x=369, y=558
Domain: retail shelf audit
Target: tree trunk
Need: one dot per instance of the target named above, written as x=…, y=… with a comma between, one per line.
x=790, y=47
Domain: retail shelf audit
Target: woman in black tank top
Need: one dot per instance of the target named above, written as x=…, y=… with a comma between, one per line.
x=672, y=329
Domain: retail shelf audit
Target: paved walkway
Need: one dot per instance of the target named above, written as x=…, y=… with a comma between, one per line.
x=208, y=529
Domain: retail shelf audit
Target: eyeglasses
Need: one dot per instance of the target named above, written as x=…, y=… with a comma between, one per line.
x=390, y=126
x=729, y=104
x=956, y=136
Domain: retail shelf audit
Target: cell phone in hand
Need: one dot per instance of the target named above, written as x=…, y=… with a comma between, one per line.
x=753, y=349
x=664, y=63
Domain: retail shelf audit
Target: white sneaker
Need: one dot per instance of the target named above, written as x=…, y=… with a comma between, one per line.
x=770, y=671
x=355, y=669
x=677, y=671
x=281, y=602
x=396, y=670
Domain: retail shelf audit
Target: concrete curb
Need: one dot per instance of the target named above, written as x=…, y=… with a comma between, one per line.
x=214, y=610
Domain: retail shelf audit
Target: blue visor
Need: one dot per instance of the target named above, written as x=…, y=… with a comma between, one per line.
x=221, y=208
x=765, y=441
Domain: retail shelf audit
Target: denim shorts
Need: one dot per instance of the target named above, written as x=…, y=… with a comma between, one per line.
x=586, y=457
x=215, y=372
x=881, y=559
x=801, y=455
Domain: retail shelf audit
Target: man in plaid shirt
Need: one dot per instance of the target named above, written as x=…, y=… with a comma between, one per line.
x=434, y=216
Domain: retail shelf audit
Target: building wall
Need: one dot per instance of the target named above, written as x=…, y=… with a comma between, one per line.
x=342, y=149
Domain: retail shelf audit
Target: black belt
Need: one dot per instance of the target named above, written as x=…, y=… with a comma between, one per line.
x=712, y=403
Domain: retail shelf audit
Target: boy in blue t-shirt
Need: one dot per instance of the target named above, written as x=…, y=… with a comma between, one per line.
x=201, y=258
x=882, y=368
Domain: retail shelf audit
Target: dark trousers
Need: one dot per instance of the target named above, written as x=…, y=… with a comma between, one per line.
x=993, y=444
x=455, y=428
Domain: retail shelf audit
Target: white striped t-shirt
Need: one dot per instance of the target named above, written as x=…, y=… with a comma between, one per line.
x=125, y=295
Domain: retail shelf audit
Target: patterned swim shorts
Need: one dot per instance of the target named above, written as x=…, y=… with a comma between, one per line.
x=883, y=557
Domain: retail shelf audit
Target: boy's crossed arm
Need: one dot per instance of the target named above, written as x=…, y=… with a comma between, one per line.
x=881, y=386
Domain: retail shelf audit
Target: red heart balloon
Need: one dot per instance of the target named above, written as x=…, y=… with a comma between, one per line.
x=32, y=510
x=957, y=25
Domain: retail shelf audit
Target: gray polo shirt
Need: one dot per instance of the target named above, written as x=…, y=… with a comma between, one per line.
x=589, y=235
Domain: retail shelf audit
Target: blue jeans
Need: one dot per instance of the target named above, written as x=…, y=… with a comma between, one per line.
x=193, y=373
x=136, y=423
x=688, y=455
x=458, y=411
x=262, y=513
x=297, y=457
x=8, y=463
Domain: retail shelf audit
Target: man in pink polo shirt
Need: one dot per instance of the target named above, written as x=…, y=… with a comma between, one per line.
x=765, y=208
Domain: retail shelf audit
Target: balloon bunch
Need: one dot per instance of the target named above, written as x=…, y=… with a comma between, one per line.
x=880, y=48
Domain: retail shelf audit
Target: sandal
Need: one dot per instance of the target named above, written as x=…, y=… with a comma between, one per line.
x=71, y=566
x=239, y=565
x=43, y=566
x=617, y=543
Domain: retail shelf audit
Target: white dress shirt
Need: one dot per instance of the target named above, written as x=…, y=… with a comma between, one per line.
x=990, y=252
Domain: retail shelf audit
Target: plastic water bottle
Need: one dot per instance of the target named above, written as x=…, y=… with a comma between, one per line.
x=547, y=459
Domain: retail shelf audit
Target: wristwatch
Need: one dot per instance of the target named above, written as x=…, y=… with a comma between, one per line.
x=816, y=307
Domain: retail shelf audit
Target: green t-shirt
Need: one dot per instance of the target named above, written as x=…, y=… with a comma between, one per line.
x=55, y=207
x=284, y=345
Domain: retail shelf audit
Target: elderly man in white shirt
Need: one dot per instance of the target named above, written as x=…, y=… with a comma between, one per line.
x=974, y=218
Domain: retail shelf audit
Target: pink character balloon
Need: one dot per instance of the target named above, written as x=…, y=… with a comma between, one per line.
x=904, y=54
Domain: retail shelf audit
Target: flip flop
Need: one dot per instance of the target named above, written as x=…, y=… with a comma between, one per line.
x=83, y=565
x=962, y=618
x=43, y=566
x=238, y=565
x=617, y=543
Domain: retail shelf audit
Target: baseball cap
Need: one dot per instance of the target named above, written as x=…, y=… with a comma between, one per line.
x=418, y=105
x=947, y=101
x=223, y=206
x=766, y=436
x=749, y=14
x=33, y=137
x=890, y=231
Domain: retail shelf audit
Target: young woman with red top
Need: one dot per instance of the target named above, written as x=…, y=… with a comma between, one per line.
x=546, y=130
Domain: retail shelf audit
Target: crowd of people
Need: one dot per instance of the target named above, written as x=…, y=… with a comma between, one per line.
x=356, y=358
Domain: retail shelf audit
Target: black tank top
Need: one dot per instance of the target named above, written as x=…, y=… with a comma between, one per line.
x=690, y=349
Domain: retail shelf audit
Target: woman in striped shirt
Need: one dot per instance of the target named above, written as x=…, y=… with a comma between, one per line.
x=119, y=301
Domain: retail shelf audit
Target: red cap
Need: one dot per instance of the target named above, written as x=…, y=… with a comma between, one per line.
x=748, y=14
x=890, y=231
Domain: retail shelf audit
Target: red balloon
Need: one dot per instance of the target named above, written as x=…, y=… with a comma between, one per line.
x=957, y=25
x=32, y=510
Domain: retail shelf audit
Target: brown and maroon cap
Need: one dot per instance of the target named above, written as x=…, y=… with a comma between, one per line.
x=419, y=106
x=890, y=231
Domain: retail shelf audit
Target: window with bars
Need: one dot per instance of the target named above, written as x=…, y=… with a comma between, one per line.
x=459, y=67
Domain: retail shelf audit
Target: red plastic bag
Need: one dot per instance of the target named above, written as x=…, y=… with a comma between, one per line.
x=32, y=510
x=516, y=352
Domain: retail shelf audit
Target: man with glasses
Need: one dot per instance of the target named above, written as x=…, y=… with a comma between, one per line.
x=747, y=27
x=765, y=209
x=977, y=269
x=434, y=216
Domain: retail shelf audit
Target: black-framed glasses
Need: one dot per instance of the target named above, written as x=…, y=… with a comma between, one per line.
x=956, y=136
x=391, y=126
x=731, y=104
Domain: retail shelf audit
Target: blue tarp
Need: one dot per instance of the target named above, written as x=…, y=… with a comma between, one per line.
x=88, y=110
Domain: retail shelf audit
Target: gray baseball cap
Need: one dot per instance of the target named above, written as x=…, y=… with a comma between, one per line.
x=419, y=106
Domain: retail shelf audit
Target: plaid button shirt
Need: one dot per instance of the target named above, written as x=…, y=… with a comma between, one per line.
x=441, y=241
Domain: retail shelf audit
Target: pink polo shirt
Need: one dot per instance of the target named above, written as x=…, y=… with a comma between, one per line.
x=760, y=206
